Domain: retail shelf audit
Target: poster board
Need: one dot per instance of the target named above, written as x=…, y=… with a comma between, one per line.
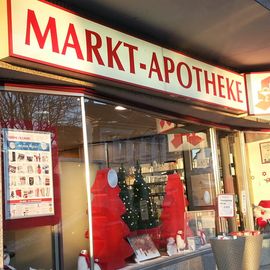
x=28, y=174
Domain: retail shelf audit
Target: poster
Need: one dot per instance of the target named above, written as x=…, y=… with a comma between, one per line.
x=27, y=174
x=226, y=205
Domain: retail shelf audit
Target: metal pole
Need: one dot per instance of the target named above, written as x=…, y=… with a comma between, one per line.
x=214, y=149
x=88, y=183
x=1, y=214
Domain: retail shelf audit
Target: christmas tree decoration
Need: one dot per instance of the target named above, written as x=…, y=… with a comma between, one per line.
x=130, y=217
x=173, y=208
x=171, y=246
x=109, y=230
x=142, y=202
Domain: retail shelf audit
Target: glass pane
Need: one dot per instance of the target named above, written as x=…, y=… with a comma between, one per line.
x=40, y=176
x=258, y=149
x=141, y=175
x=230, y=172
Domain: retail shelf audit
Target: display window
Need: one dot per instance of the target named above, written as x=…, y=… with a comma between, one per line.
x=152, y=185
x=88, y=182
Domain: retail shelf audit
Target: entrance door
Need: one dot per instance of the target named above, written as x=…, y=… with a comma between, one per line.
x=230, y=171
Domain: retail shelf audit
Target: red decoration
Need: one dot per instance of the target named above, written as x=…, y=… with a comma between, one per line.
x=173, y=213
x=109, y=230
x=262, y=214
x=177, y=140
x=194, y=139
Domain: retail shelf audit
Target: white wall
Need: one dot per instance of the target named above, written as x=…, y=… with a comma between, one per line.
x=259, y=172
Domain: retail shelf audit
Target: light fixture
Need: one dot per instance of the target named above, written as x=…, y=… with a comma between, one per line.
x=120, y=108
x=99, y=102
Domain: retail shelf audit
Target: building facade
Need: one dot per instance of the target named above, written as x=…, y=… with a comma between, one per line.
x=115, y=149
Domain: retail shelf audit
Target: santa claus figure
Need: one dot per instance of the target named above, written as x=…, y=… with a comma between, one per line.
x=262, y=215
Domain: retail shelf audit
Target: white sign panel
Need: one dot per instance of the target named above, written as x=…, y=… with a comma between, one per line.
x=28, y=174
x=226, y=205
x=44, y=33
x=258, y=88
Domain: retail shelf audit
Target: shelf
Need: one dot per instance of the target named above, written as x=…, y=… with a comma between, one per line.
x=157, y=194
x=162, y=171
x=157, y=183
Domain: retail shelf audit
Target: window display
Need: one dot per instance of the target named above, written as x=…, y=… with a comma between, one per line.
x=141, y=190
x=156, y=183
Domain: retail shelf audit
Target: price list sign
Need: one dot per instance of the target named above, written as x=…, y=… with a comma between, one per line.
x=226, y=206
x=27, y=174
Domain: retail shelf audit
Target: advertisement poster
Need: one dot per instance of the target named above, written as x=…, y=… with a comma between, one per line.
x=28, y=174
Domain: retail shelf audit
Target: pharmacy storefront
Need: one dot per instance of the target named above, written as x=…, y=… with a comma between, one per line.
x=115, y=150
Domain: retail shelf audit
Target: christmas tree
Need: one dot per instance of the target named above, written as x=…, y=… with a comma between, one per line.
x=142, y=202
x=109, y=230
x=131, y=215
x=173, y=208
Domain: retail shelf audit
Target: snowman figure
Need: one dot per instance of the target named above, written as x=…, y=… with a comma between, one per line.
x=180, y=242
x=171, y=246
x=84, y=261
x=7, y=256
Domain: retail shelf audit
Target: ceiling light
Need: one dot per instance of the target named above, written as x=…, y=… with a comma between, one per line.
x=120, y=108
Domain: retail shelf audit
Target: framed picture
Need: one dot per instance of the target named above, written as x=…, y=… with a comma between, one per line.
x=202, y=225
x=265, y=152
x=203, y=189
x=144, y=247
